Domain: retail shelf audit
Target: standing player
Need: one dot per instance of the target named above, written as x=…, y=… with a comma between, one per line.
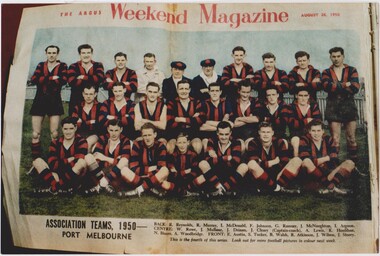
x=341, y=82
x=321, y=161
x=269, y=163
x=118, y=107
x=184, y=115
x=84, y=70
x=49, y=77
x=66, y=164
x=169, y=85
x=149, y=73
x=222, y=169
x=270, y=75
x=88, y=115
x=216, y=109
x=235, y=72
x=199, y=87
x=302, y=112
x=305, y=75
x=152, y=110
x=121, y=74
x=111, y=154
x=275, y=111
x=245, y=114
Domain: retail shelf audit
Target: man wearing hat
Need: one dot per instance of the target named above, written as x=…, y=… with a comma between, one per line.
x=169, y=85
x=201, y=82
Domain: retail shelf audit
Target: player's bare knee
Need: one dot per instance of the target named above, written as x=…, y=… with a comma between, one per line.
x=242, y=169
x=348, y=165
x=36, y=136
x=252, y=165
x=90, y=159
x=296, y=161
x=39, y=164
x=54, y=134
x=122, y=162
x=307, y=163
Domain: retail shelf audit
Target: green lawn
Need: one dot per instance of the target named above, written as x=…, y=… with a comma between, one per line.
x=307, y=206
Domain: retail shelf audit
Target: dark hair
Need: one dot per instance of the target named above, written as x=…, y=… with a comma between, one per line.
x=184, y=81
x=149, y=55
x=245, y=83
x=300, y=54
x=52, y=46
x=153, y=84
x=85, y=46
x=238, y=48
x=268, y=55
x=114, y=122
x=314, y=122
x=69, y=120
x=118, y=84
x=223, y=125
x=302, y=89
x=147, y=126
x=120, y=54
x=214, y=84
x=265, y=124
x=336, y=49
x=89, y=85
x=272, y=87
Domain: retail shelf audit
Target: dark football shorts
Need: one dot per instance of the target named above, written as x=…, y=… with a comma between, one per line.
x=47, y=105
x=341, y=109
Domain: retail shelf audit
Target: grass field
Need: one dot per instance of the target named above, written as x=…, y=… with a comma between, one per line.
x=307, y=206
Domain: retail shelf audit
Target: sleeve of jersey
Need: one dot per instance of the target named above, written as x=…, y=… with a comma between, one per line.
x=161, y=162
x=304, y=149
x=125, y=151
x=316, y=86
x=99, y=145
x=286, y=114
x=332, y=151
x=108, y=85
x=316, y=113
x=252, y=152
x=200, y=119
x=133, y=83
x=236, y=154
x=171, y=116
x=76, y=115
x=72, y=74
x=226, y=76
x=127, y=120
x=259, y=81
x=170, y=161
x=134, y=163
x=328, y=84
x=294, y=122
x=284, y=81
x=354, y=80
x=53, y=159
x=283, y=153
x=210, y=146
x=103, y=121
x=292, y=77
x=62, y=76
x=81, y=148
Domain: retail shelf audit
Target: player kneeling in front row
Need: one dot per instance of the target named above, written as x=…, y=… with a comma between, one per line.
x=66, y=163
x=268, y=161
x=222, y=169
x=183, y=166
x=111, y=154
x=320, y=158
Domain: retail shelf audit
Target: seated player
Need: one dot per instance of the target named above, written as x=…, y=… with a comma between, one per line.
x=222, y=170
x=152, y=110
x=118, y=107
x=275, y=111
x=236, y=72
x=245, y=114
x=66, y=164
x=305, y=75
x=169, y=85
x=302, y=112
x=270, y=75
x=320, y=159
x=147, y=167
x=199, y=87
x=111, y=154
x=184, y=115
x=269, y=164
x=49, y=77
x=121, y=74
x=216, y=109
x=183, y=166
x=88, y=115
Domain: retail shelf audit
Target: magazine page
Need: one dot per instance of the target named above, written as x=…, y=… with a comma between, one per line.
x=128, y=186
